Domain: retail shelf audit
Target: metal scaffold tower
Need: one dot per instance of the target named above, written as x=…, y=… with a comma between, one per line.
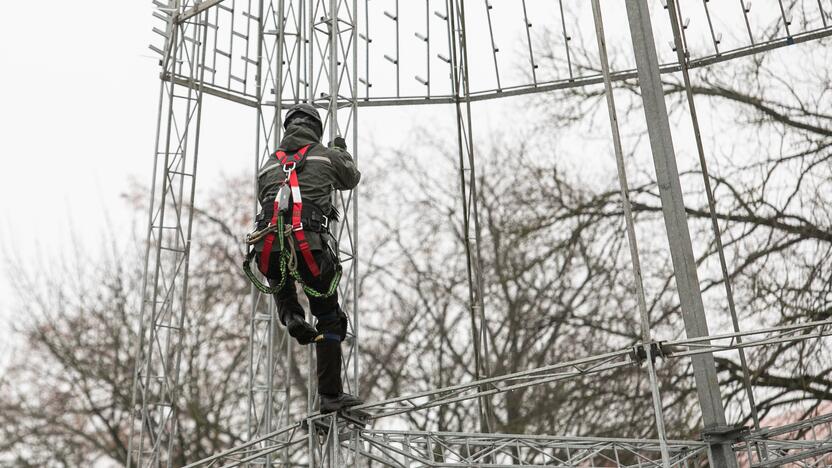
x=270, y=54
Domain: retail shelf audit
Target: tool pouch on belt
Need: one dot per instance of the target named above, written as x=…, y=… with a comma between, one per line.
x=260, y=223
x=283, y=199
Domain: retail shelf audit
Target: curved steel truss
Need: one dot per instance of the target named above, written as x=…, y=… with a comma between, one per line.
x=267, y=54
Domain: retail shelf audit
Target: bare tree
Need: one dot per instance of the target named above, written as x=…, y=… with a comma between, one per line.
x=66, y=397
x=557, y=282
x=771, y=177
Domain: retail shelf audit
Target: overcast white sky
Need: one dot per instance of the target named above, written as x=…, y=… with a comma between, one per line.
x=78, y=95
x=76, y=118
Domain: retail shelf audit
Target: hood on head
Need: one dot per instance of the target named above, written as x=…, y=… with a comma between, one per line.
x=299, y=135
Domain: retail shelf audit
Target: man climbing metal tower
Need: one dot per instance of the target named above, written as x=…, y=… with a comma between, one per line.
x=292, y=243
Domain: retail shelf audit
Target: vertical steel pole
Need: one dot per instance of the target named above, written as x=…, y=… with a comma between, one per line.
x=333, y=73
x=681, y=55
x=673, y=210
x=355, y=282
x=309, y=27
x=164, y=291
x=356, y=310
x=250, y=417
x=308, y=31
x=470, y=215
x=140, y=326
x=277, y=127
x=199, y=51
x=638, y=284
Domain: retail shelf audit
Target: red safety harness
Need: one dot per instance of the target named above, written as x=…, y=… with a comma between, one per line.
x=290, y=163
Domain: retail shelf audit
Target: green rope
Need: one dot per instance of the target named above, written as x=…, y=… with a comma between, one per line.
x=257, y=283
x=285, y=256
x=333, y=285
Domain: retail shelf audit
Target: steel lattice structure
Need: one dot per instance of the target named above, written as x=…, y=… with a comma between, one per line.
x=270, y=54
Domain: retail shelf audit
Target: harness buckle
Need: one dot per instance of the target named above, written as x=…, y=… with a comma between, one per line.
x=324, y=222
x=298, y=227
x=289, y=166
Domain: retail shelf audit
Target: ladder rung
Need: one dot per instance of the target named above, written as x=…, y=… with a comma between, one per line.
x=156, y=49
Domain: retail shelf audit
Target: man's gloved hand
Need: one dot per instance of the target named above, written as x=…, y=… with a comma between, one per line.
x=338, y=142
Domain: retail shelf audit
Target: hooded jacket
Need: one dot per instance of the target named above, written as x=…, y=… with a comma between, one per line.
x=322, y=171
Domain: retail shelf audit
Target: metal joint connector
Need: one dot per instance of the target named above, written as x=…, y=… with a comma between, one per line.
x=639, y=351
x=724, y=434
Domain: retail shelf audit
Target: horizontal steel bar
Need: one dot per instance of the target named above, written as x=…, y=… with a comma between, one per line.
x=209, y=89
x=592, y=79
x=477, y=449
x=571, y=369
x=769, y=432
x=196, y=9
x=266, y=451
x=772, y=462
x=586, y=80
x=542, y=87
x=708, y=347
x=243, y=446
x=475, y=437
x=483, y=440
x=530, y=88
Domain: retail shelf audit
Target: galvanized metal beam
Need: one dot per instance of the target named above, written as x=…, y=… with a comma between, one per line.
x=196, y=9
x=675, y=220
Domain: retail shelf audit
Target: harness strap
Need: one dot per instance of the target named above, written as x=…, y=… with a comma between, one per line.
x=297, y=225
x=265, y=255
x=290, y=167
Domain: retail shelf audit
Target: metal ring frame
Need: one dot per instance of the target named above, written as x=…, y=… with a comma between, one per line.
x=267, y=54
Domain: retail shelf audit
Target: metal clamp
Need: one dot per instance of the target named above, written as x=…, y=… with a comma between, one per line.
x=724, y=434
x=639, y=351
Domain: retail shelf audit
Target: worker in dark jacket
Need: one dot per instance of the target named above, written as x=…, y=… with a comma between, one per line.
x=322, y=170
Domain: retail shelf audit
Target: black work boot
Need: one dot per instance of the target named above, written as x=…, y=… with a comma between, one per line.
x=330, y=388
x=330, y=403
x=301, y=330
